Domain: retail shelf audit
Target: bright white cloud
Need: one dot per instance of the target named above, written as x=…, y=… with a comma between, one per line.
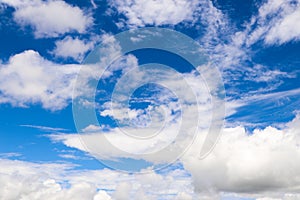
x=27, y=78
x=231, y=50
x=72, y=48
x=194, y=103
x=265, y=162
x=26, y=180
x=285, y=30
x=275, y=23
x=151, y=12
x=49, y=18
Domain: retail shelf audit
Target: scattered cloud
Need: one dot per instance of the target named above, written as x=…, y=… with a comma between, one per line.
x=170, y=118
x=27, y=78
x=151, y=12
x=27, y=180
x=70, y=47
x=263, y=163
x=50, y=18
x=230, y=48
x=275, y=23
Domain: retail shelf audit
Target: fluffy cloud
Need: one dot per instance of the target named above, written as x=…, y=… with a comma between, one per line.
x=27, y=78
x=151, y=12
x=166, y=118
x=263, y=163
x=27, y=180
x=72, y=48
x=49, y=18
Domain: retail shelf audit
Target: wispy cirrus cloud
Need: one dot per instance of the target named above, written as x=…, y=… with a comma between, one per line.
x=275, y=23
x=44, y=128
x=233, y=49
x=10, y=155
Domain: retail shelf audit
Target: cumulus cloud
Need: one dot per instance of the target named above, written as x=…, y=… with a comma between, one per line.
x=174, y=114
x=70, y=47
x=49, y=18
x=264, y=162
x=27, y=78
x=27, y=180
x=151, y=12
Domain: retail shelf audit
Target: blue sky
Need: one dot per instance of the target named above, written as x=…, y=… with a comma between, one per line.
x=103, y=99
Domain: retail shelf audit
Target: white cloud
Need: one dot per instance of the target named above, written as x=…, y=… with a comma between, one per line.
x=123, y=191
x=10, y=155
x=260, y=73
x=44, y=128
x=167, y=119
x=285, y=30
x=32, y=181
x=50, y=18
x=25, y=180
x=151, y=12
x=231, y=49
x=72, y=48
x=27, y=78
x=263, y=163
x=275, y=23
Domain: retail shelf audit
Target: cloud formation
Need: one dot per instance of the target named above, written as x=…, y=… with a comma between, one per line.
x=50, y=18
x=275, y=22
x=27, y=78
x=28, y=180
x=263, y=162
x=70, y=47
x=151, y=12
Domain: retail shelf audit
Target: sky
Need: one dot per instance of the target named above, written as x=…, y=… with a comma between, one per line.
x=147, y=99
